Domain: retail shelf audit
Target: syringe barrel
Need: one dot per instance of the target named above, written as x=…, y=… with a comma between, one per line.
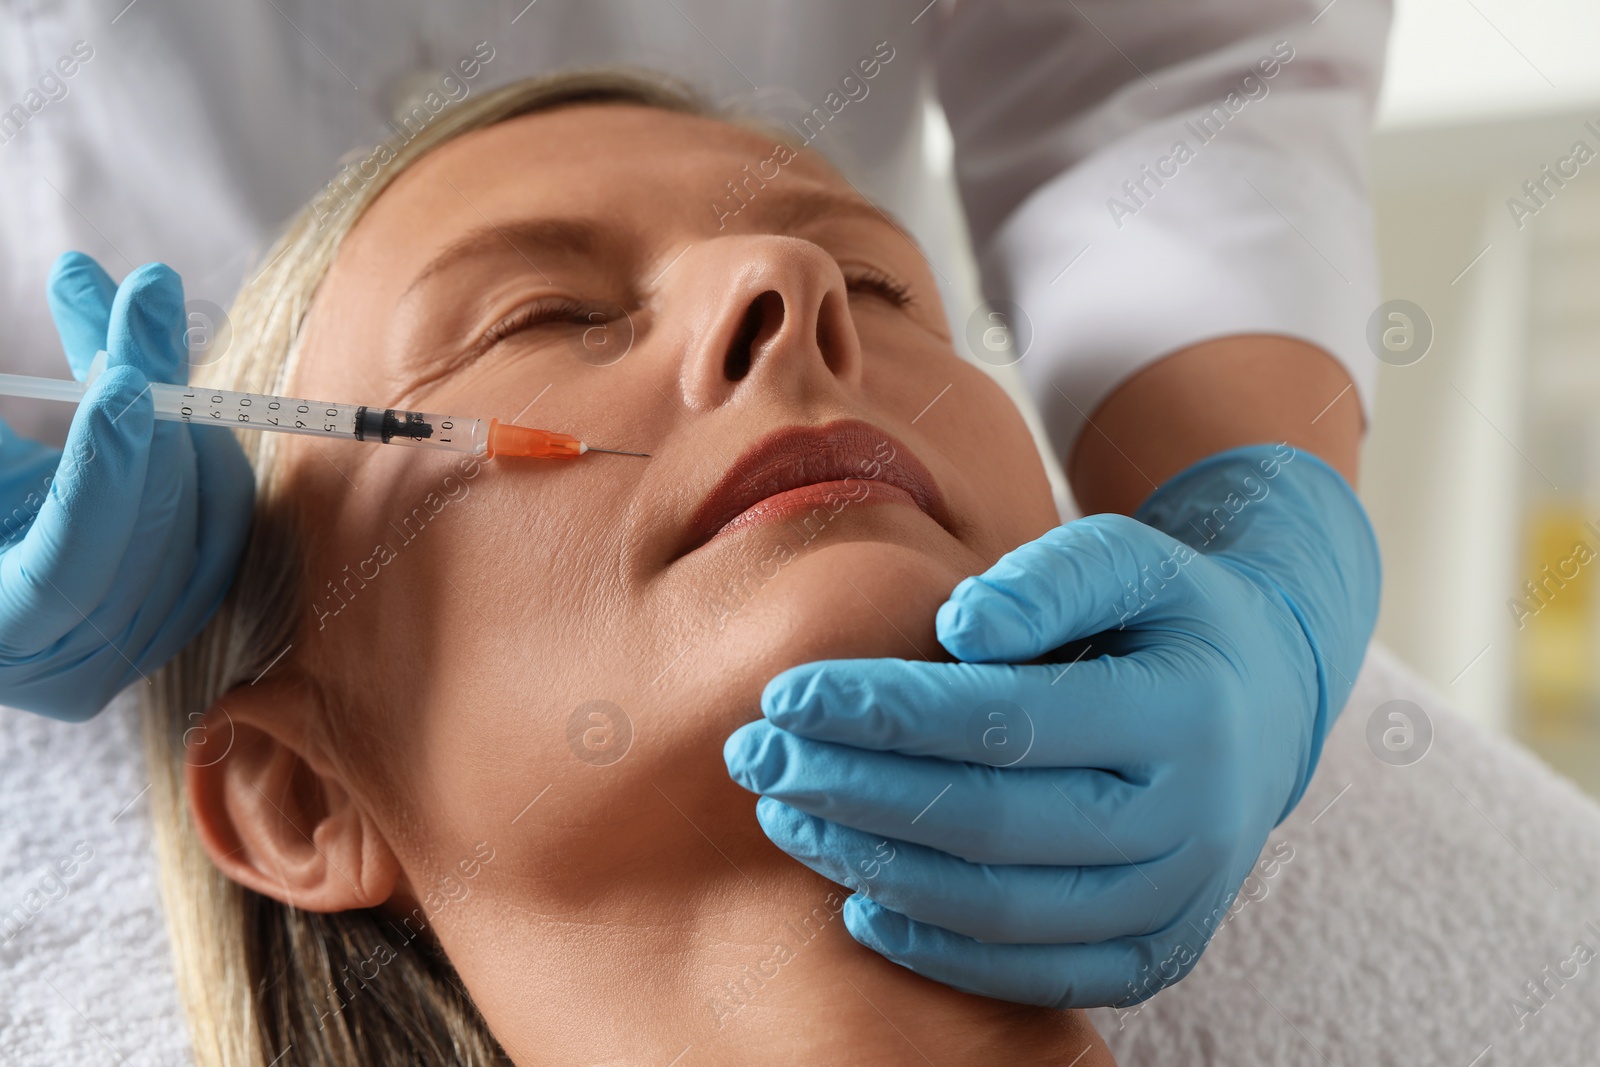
x=63, y=389
x=422, y=429
x=287, y=414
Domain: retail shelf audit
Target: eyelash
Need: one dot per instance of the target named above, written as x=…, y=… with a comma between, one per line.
x=542, y=312
x=879, y=284
x=580, y=313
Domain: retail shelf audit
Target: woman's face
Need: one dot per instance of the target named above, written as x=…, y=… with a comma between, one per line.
x=582, y=635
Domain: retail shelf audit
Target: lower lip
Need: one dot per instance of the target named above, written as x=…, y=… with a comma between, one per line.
x=834, y=498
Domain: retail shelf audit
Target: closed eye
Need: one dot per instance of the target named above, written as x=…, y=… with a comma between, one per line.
x=548, y=311
x=552, y=311
x=873, y=282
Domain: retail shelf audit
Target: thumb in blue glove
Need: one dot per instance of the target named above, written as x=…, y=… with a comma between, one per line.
x=137, y=538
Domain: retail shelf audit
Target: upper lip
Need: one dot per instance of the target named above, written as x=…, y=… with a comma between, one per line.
x=807, y=455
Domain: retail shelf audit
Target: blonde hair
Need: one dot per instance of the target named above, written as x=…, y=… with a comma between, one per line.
x=260, y=980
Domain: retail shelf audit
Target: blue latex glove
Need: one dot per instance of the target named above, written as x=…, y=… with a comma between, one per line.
x=1071, y=833
x=118, y=548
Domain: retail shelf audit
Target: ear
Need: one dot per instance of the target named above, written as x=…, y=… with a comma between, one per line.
x=274, y=813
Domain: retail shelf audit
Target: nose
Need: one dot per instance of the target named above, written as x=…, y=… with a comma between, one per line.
x=762, y=313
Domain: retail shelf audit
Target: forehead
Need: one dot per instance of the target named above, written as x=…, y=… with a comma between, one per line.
x=630, y=170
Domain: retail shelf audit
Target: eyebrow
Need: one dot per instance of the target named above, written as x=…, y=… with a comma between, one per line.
x=580, y=237
x=571, y=236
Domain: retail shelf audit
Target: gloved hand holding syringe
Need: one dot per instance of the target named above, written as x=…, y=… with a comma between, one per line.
x=116, y=549
x=317, y=418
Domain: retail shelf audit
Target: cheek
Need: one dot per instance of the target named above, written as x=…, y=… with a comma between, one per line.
x=464, y=648
x=976, y=442
x=536, y=719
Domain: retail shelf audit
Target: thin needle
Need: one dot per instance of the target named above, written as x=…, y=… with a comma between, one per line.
x=615, y=451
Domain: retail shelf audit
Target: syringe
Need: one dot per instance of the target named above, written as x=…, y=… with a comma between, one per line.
x=352, y=422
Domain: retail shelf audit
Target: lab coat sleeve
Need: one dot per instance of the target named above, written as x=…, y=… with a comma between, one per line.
x=1142, y=175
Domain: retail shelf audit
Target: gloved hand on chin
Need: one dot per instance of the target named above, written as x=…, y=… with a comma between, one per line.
x=1071, y=832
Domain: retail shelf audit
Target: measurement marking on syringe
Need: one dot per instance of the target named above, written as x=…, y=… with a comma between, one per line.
x=487, y=438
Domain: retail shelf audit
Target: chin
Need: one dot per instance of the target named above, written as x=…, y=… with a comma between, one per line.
x=850, y=599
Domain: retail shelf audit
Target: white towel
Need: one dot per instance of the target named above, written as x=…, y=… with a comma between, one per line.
x=1409, y=907
x=85, y=976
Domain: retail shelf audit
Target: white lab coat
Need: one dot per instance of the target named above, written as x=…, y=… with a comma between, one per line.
x=188, y=130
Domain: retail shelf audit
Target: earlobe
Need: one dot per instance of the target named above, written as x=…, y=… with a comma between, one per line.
x=274, y=814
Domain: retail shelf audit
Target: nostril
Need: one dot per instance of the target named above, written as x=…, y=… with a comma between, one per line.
x=762, y=321
x=833, y=331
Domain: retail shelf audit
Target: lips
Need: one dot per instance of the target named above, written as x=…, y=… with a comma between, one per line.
x=796, y=470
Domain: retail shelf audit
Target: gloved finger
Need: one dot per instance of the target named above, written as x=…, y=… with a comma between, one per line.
x=161, y=553
x=1109, y=712
x=1004, y=904
x=226, y=500
x=80, y=293
x=146, y=332
x=147, y=324
x=981, y=814
x=1055, y=976
x=69, y=559
x=1077, y=580
x=26, y=469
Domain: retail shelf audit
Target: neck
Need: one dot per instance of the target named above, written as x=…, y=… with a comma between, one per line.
x=718, y=948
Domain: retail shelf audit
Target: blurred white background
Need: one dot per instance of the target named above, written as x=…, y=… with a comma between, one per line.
x=1482, y=467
